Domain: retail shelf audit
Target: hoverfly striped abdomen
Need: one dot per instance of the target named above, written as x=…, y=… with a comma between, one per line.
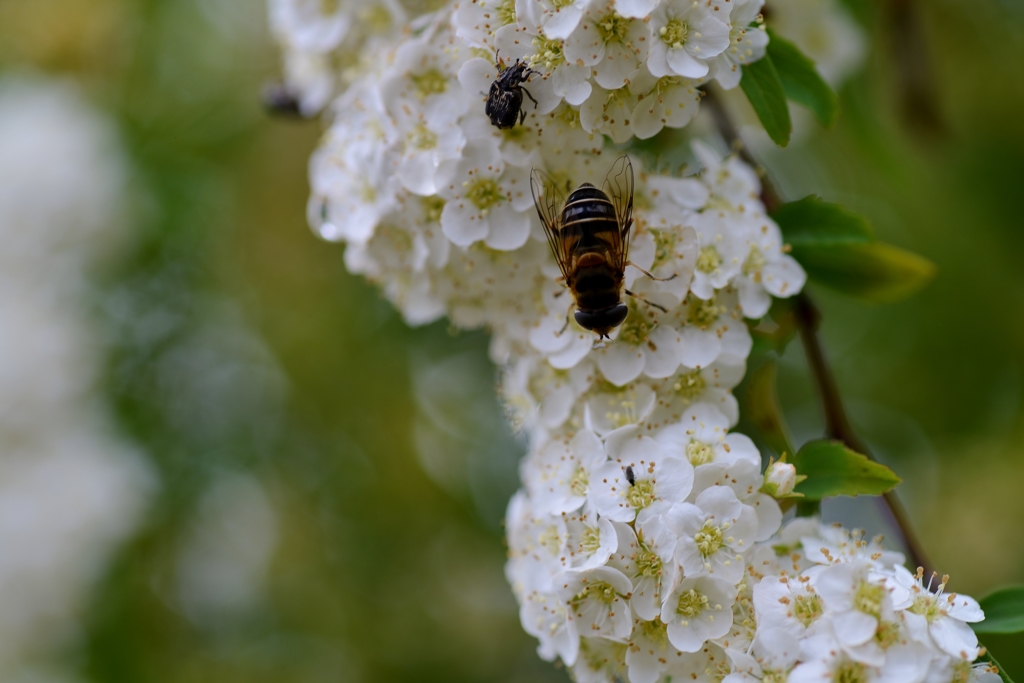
x=591, y=228
x=589, y=217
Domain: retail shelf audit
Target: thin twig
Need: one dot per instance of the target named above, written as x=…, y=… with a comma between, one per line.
x=837, y=424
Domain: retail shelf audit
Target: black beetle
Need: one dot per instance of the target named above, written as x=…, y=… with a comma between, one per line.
x=505, y=100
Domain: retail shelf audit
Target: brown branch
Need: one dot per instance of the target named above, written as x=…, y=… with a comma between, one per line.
x=837, y=424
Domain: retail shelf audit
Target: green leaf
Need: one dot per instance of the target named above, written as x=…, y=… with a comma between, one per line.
x=801, y=81
x=875, y=271
x=832, y=469
x=763, y=88
x=987, y=657
x=761, y=407
x=1004, y=611
x=813, y=221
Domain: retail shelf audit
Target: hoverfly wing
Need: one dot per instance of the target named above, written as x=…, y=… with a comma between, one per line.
x=549, y=200
x=618, y=185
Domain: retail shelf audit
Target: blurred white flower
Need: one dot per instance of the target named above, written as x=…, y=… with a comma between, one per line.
x=224, y=558
x=70, y=488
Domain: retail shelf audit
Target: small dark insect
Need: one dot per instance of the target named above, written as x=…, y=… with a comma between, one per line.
x=589, y=236
x=505, y=100
x=629, y=475
x=279, y=100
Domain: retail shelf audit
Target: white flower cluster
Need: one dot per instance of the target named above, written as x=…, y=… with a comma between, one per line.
x=646, y=537
x=685, y=591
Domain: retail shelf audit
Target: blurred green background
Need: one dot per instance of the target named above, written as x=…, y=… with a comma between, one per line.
x=382, y=451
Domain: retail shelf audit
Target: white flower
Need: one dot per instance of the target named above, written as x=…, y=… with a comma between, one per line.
x=536, y=542
x=667, y=101
x=714, y=328
x=835, y=544
x=610, y=409
x=784, y=552
x=405, y=247
x=646, y=342
x=789, y=604
x=541, y=396
x=646, y=557
x=476, y=21
x=702, y=437
x=590, y=543
x=939, y=618
x=722, y=251
x=826, y=662
x=613, y=45
x=747, y=43
x=714, y=533
x=698, y=610
x=825, y=32
x=545, y=617
x=733, y=185
x=767, y=269
x=304, y=25
x=743, y=476
x=598, y=601
x=656, y=477
x=686, y=35
x=953, y=670
x=351, y=174
x=650, y=654
x=600, y=661
x=712, y=384
x=559, y=476
x=485, y=199
x=860, y=605
x=776, y=653
x=608, y=112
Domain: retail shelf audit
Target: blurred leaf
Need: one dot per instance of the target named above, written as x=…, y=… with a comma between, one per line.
x=812, y=221
x=761, y=407
x=1004, y=611
x=763, y=88
x=874, y=271
x=999, y=670
x=832, y=469
x=801, y=81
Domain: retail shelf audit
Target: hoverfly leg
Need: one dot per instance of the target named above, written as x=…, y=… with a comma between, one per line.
x=639, y=297
x=567, y=319
x=530, y=96
x=658, y=279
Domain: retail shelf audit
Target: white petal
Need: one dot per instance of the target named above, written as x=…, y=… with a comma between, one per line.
x=683, y=64
x=462, y=224
x=663, y=350
x=509, y=229
x=635, y=9
x=620, y=362
x=700, y=347
x=477, y=75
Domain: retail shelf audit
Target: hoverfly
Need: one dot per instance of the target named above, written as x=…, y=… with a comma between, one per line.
x=589, y=236
x=505, y=100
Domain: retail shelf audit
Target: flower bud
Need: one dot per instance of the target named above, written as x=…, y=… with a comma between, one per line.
x=779, y=479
